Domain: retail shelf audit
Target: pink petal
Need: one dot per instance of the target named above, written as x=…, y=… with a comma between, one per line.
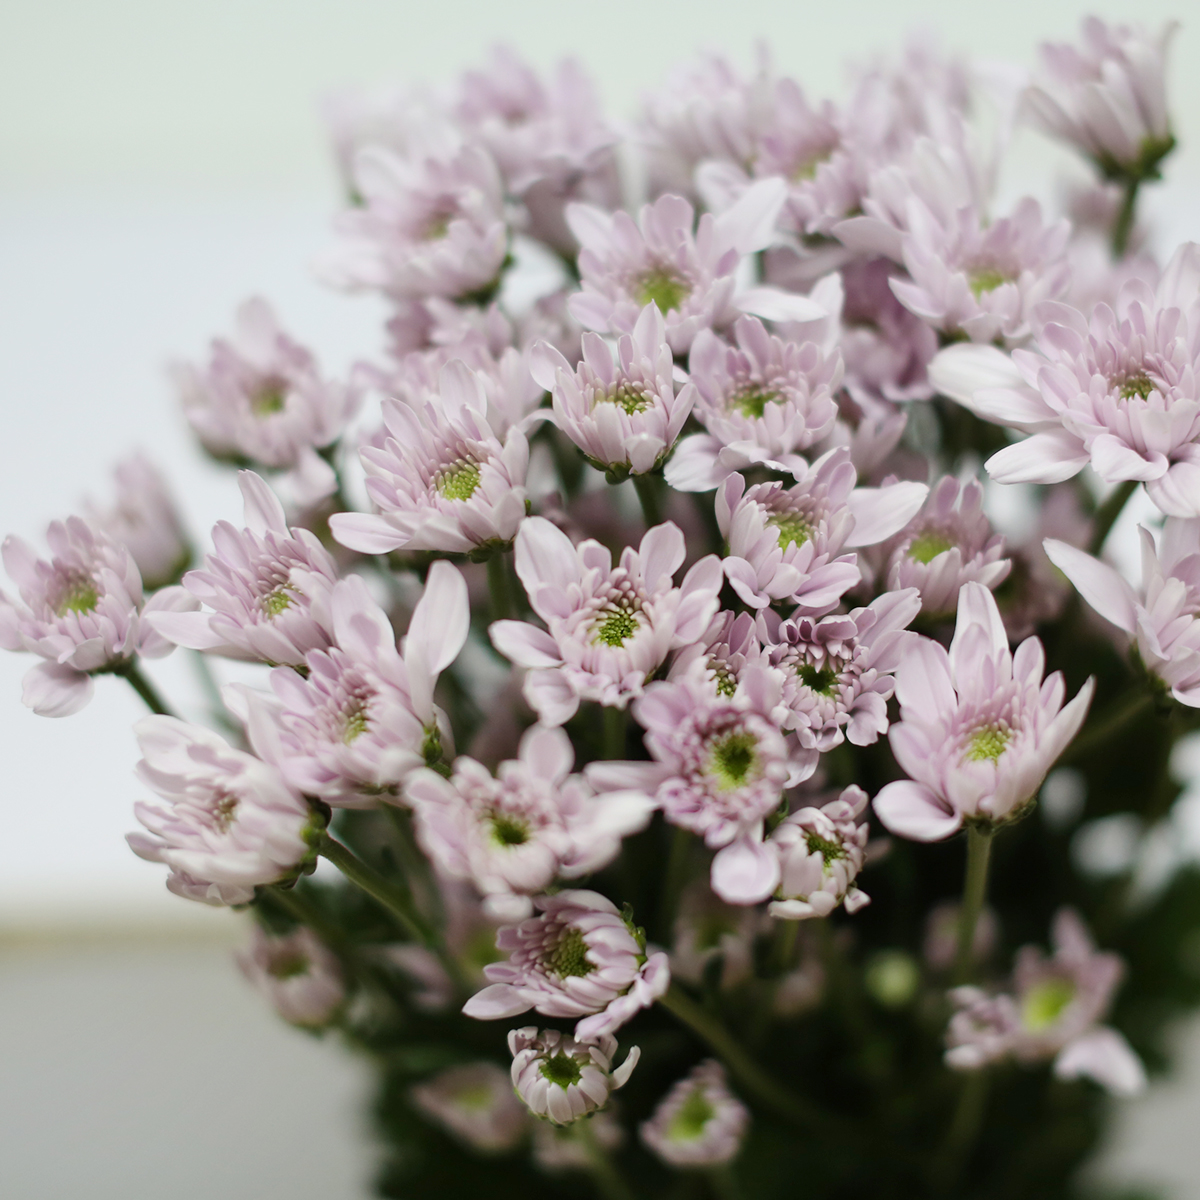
x=497, y=1000
x=911, y=810
x=1102, y=587
x=524, y=644
x=1043, y=458
x=1105, y=1056
x=745, y=871
x=55, y=690
x=365, y=533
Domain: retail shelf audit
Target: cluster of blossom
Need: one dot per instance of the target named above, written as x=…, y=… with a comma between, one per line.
x=741, y=351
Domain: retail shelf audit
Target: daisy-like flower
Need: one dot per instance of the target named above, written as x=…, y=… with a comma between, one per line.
x=231, y=822
x=764, y=399
x=267, y=588
x=514, y=834
x=1053, y=1012
x=262, y=399
x=821, y=851
x=297, y=973
x=948, y=543
x=442, y=480
x=786, y=544
x=1121, y=391
x=561, y=1078
x=607, y=628
x=978, y=727
x=692, y=277
x=700, y=1122
x=1163, y=619
x=708, y=928
x=82, y=611
x=475, y=1103
x=837, y=671
x=622, y=412
x=1108, y=97
x=579, y=958
x=364, y=719
x=722, y=654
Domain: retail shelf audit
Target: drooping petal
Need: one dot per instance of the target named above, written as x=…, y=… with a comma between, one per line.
x=911, y=810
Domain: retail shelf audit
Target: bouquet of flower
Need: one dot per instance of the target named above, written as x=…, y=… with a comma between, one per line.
x=633, y=642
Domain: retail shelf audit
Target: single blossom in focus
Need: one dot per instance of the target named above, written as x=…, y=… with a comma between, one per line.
x=608, y=628
x=978, y=727
x=442, y=480
x=721, y=656
x=82, y=611
x=267, y=588
x=297, y=973
x=513, y=834
x=700, y=1122
x=821, y=851
x=230, y=822
x=561, y=1078
x=1053, y=1012
x=578, y=958
x=622, y=410
x=475, y=1103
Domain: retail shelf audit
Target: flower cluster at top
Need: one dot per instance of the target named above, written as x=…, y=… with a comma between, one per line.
x=649, y=524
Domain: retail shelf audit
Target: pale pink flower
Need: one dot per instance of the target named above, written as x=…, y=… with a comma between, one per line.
x=579, y=958
x=691, y=276
x=821, y=852
x=621, y=410
x=82, y=611
x=262, y=399
x=442, y=480
x=789, y=544
x=562, y=1148
x=708, y=928
x=231, y=822
x=700, y=1122
x=475, y=1103
x=940, y=946
x=513, y=834
x=1053, y=1012
x=722, y=654
x=978, y=727
x=561, y=1078
x=267, y=587
x=1163, y=618
x=297, y=973
x=608, y=628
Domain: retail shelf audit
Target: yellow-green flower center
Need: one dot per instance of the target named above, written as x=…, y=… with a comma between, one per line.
x=269, y=397
x=617, y=625
x=927, y=546
x=987, y=279
x=477, y=1098
x=732, y=759
x=988, y=743
x=791, y=529
x=1045, y=1002
x=562, y=1069
x=692, y=1117
x=288, y=966
x=628, y=397
x=273, y=603
x=80, y=596
x=569, y=957
x=508, y=830
x=1136, y=385
x=752, y=402
x=817, y=679
x=459, y=480
x=726, y=681
x=356, y=723
x=664, y=287
x=828, y=850
x=224, y=811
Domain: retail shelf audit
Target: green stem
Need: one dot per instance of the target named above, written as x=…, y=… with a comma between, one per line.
x=605, y=1175
x=648, y=496
x=674, y=880
x=723, y=1183
x=498, y=586
x=144, y=688
x=979, y=853
x=1123, y=226
x=786, y=933
x=395, y=900
x=307, y=913
x=615, y=721
x=964, y=1129
x=1108, y=512
x=1115, y=716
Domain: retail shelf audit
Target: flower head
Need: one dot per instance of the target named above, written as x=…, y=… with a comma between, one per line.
x=707, y=928
x=700, y=1122
x=297, y=973
x=475, y=1103
x=561, y=1078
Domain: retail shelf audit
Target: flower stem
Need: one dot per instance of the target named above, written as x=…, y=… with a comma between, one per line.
x=607, y=1178
x=144, y=688
x=964, y=1129
x=723, y=1183
x=648, y=496
x=499, y=586
x=1123, y=226
x=979, y=854
x=1127, y=709
x=615, y=720
x=1108, y=512
x=784, y=949
x=305, y=912
x=674, y=880
x=396, y=901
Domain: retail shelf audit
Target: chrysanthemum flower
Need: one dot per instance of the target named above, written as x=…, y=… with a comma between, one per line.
x=721, y=655
x=707, y=928
x=475, y=1103
x=297, y=973
x=567, y=1147
x=700, y=1122
x=562, y=1078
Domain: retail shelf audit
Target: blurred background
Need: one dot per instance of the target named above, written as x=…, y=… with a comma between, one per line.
x=160, y=162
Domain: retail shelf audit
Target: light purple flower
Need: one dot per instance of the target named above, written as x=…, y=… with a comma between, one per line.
x=708, y=928
x=786, y=544
x=82, y=611
x=622, y=410
x=297, y=973
x=608, y=628
x=566, y=1147
x=513, y=834
x=821, y=851
x=700, y=1122
x=978, y=728
x=231, y=822
x=561, y=1078
x=1052, y=1012
x=722, y=654
x=940, y=946
x=261, y=397
x=267, y=587
x=442, y=480
x=579, y=958
x=475, y=1103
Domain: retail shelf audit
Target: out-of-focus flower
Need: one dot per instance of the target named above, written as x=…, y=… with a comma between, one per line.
x=978, y=727
x=231, y=822
x=262, y=399
x=513, y=834
x=1053, y=1012
x=475, y=1103
x=268, y=588
x=82, y=611
x=579, y=958
x=941, y=936
x=608, y=628
x=442, y=480
x=622, y=412
x=708, y=928
x=561, y=1078
x=1108, y=97
x=821, y=851
x=700, y=1122
x=562, y=1148
x=297, y=973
